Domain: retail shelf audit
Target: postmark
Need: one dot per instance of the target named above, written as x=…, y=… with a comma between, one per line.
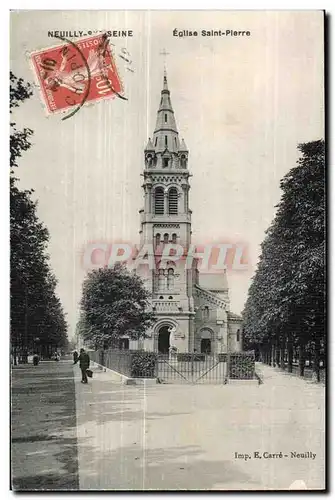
x=72, y=74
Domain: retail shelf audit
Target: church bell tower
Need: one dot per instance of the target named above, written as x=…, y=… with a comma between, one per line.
x=166, y=219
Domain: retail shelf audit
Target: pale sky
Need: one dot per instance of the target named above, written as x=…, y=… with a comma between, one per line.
x=241, y=104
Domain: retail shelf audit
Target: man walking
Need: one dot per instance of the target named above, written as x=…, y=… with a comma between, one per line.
x=84, y=363
x=75, y=357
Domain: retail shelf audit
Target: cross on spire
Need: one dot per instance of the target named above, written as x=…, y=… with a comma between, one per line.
x=164, y=53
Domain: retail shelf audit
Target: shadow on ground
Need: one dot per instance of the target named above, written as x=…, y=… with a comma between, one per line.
x=43, y=427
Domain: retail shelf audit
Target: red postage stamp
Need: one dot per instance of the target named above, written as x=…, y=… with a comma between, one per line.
x=76, y=73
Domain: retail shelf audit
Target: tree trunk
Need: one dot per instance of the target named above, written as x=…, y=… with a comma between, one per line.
x=102, y=357
x=270, y=355
x=282, y=355
x=310, y=357
x=273, y=355
x=15, y=356
x=316, y=363
x=289, y=357
x=302, y=356
x=277, y=354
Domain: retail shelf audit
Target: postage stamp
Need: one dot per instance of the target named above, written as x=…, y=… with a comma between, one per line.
x=76, y=73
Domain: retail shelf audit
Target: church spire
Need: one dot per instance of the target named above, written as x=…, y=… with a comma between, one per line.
x=165, y=136
x=165, y=85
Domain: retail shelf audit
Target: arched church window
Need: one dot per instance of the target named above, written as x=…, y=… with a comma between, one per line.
x=165, y=118
x=173, y=201
x=166, y=238
x=158, y=239
x=166, y=141
x=206, y=312
x=183, y=161
x=170, y=278
x=159, y=201
x=174, y=238
x=161, y=280
x=238, y=335
x=156, y=141
x=166, y=162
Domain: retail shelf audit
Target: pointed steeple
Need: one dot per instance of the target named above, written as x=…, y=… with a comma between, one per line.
x=165, y=136
x=165, y=85
x=149, y=146
x=182, y=147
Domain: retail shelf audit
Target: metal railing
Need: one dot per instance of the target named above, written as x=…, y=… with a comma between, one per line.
x=117, y=360
x=135, y=364
x=191, y=368
x=195, y=368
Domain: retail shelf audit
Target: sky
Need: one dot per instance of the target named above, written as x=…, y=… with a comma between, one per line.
x=242, y=104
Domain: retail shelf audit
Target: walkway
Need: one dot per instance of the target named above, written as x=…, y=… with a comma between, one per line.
x=44, y=437
x=173, y=437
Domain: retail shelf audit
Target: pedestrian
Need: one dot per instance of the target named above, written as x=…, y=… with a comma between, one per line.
x=36, y=359
x=75, y=357
x=84, y=363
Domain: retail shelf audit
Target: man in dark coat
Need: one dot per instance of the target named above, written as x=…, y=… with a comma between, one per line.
x=84, y=363
x=75, y=357
x=36, y=359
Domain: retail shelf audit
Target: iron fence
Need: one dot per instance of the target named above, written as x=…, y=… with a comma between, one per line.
x=135, y=364
x=194, y=368
x=119, y=361
x=191, y=368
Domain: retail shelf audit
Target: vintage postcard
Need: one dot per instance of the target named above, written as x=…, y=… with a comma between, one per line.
x=167, y=217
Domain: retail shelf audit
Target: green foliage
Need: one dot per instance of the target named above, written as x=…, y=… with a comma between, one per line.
x=242, y=365
x=36, y=311
x=114, y=303
x=286, y=300
x=143, y=364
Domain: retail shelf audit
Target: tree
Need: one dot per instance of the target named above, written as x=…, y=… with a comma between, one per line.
x=37, y=317
x=285, y=308
x=114, y=304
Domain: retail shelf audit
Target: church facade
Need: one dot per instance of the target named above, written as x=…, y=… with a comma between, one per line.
x=192, y=310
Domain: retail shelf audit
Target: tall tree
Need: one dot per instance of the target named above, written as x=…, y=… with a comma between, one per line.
x=37, y=318
x=114, y=303
x=286, y=301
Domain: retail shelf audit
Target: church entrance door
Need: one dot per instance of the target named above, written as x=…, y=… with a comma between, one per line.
x=164, y=340
x=205, y=346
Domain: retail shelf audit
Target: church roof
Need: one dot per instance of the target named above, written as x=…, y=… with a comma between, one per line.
x=232, y=315
x=217, y=282
x=215, y=299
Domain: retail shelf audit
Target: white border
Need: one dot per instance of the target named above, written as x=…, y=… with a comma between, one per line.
x=133, y=5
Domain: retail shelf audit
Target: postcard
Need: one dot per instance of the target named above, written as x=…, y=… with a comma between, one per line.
x=167, y=228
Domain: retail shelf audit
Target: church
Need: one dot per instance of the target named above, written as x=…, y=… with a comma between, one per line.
x=192, y=309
